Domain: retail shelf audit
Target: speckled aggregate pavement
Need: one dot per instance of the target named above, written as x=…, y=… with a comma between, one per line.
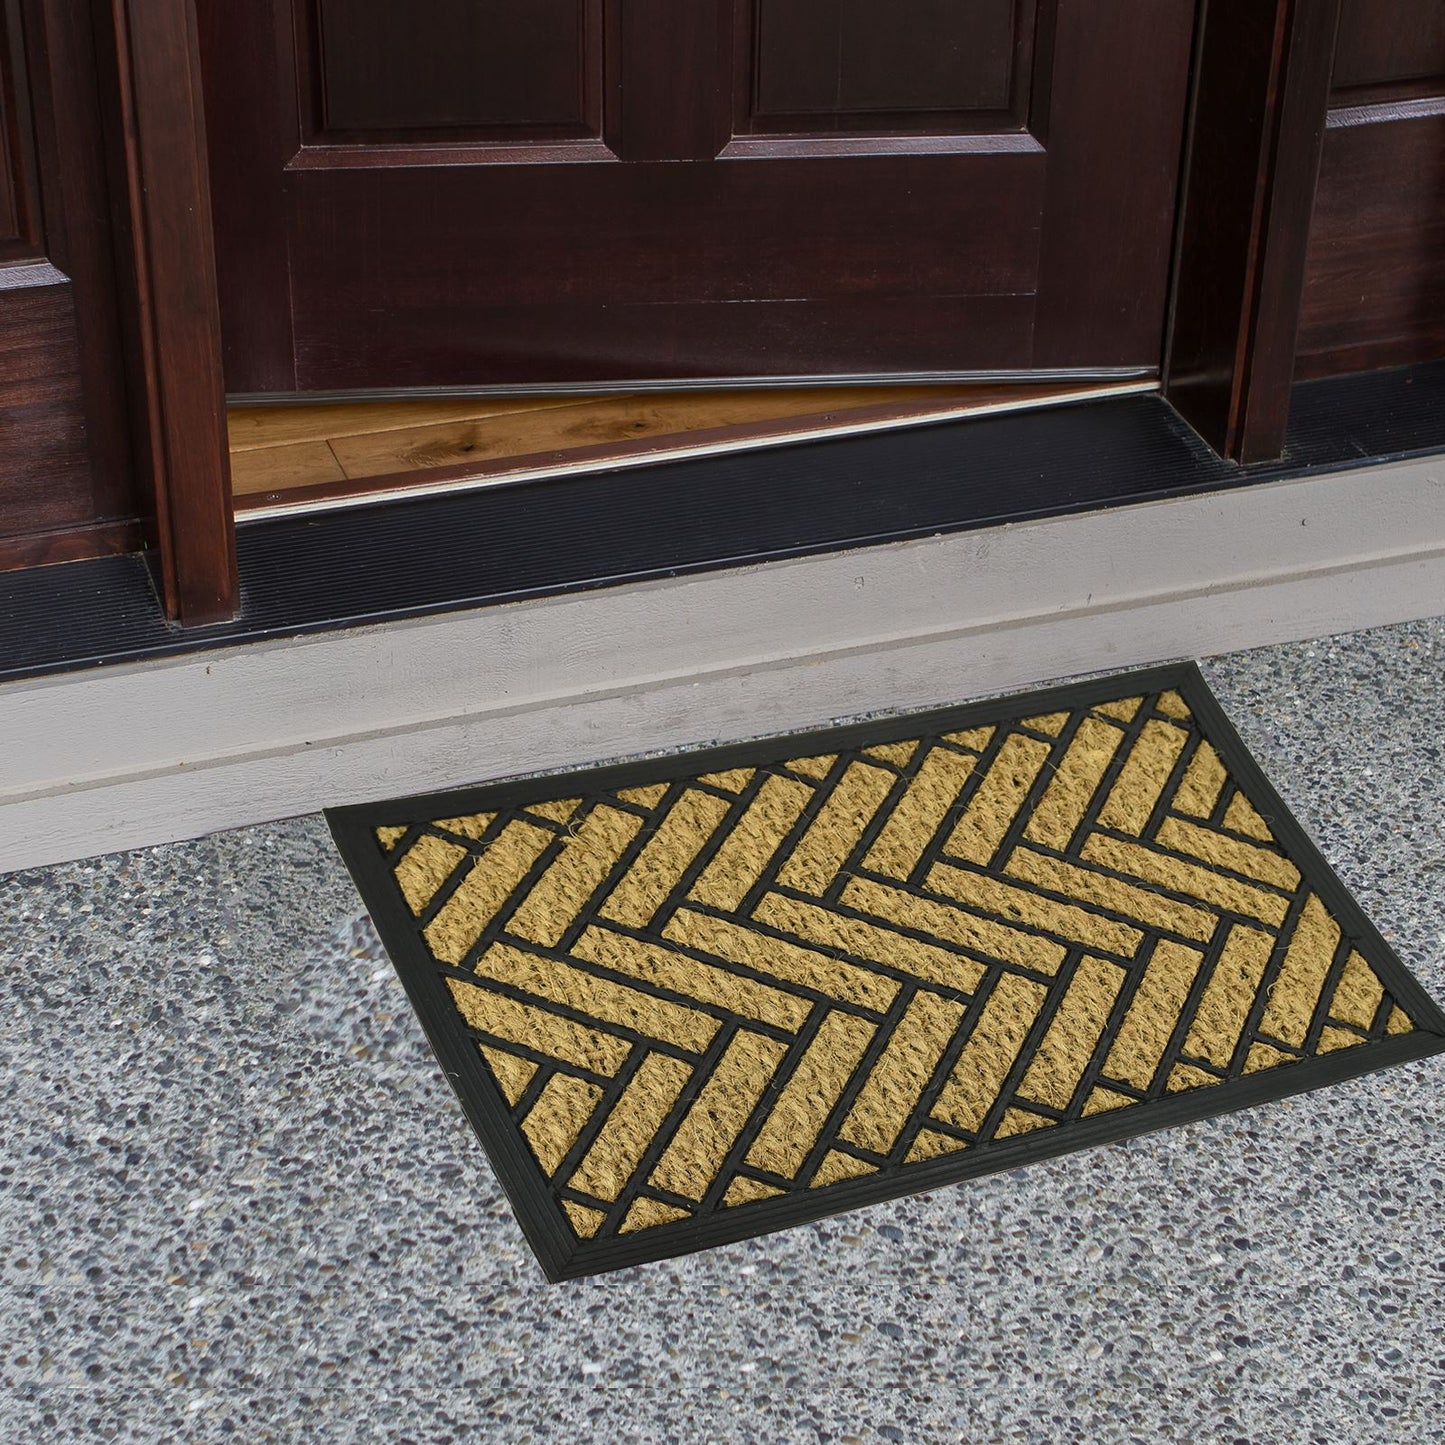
x=237, y=1200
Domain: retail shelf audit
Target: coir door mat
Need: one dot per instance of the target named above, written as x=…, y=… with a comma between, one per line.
x=696, y=999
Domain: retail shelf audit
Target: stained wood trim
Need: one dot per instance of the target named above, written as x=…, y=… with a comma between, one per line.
x=1262, y=80
x=69, y=544
x=651, y=43
x=1375, y=281
x=176, y=321
x=319, y=156
x=778, y=147
x=20, y=211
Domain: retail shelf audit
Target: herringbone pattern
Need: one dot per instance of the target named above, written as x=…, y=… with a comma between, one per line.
x=701, y=994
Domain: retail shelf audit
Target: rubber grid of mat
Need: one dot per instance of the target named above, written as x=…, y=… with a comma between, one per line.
x=693, y=1000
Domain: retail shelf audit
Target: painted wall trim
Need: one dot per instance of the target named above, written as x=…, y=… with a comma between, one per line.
x=146, y=753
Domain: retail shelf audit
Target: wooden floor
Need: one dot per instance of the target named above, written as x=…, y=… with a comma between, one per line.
x=303, y=455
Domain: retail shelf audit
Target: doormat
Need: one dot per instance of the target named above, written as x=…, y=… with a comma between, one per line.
x=696, y=999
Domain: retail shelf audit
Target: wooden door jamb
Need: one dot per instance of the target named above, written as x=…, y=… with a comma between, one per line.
x=1251, y=164
x=169, y=277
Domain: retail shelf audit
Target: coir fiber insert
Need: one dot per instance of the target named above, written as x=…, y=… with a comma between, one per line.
x=691, y=1000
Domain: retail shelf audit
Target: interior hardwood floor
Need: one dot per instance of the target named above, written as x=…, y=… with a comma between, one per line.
x=305, y=455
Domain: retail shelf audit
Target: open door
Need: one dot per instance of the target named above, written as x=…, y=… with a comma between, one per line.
x=542, y=193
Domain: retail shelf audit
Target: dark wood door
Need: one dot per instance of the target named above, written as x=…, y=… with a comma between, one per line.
x=1375, y=285
x=66, y=481
x=535, y=192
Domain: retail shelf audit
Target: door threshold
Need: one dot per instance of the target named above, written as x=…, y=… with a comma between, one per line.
x=474, y=550
x=198, y=733
x=293, y=459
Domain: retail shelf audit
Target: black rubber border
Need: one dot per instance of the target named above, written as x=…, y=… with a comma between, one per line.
x=468, y=549
x=543, y=1223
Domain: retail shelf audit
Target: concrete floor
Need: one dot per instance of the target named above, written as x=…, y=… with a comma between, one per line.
x=238, y=1201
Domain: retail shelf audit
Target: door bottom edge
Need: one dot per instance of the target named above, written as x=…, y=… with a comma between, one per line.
x=1021, y=376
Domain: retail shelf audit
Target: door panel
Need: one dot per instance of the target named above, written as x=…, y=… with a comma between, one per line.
x=508, y=68
x=641, y=316
x=20, y=237
x=66, y=485
x=660, y=192
x=1375, y=280
x=912, y=65
x=1389, y=43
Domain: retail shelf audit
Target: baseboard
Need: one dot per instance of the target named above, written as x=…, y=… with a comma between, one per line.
x=143, y=753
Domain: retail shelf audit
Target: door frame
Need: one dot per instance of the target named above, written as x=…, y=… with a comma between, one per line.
x=1229, y=355
x=169, y=303
x=1254, y=138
